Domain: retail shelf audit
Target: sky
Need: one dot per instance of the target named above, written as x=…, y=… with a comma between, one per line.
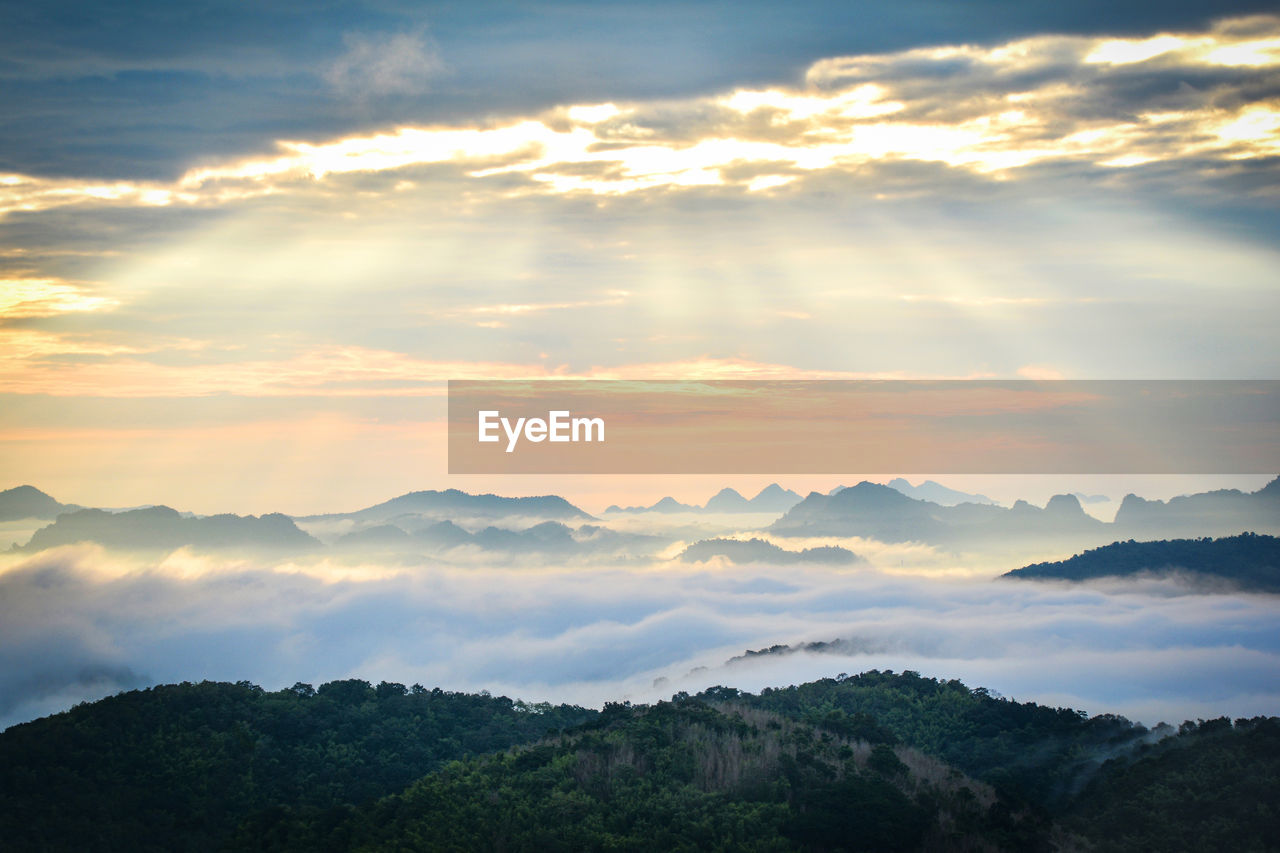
x=243, y=246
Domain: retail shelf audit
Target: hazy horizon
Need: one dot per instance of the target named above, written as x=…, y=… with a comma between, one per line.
x=626, y=617
x=596, y=494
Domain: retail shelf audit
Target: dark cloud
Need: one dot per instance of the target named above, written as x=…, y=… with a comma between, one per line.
x=146, y=89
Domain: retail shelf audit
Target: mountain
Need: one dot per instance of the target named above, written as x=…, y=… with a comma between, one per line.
x=879, y=761
x=931, y=490
x=454, y=504
x=1248, y=561
x=1041, y=755
x=601, y=539
x=552, y=538
x=185, y=766
x=160, y=527
x=760, y=551
x=1216, y=513
x=727, y=500
x=1189, y=793
x=867, y=509
x=667, y=504
x=772, y=498
x=696, y=775
x=443, y=535
x=880, y=512
x=884, y=513
x=670, y=504
x=548, y=538
x=1114, y=785
x=841, y=646
x=378, y=537
x=29, y=502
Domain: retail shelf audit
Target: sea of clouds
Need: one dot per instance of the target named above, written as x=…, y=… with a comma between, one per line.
x=78, y=623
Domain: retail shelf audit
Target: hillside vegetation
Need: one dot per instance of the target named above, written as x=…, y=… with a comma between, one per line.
x=877, y=761
x=1249, y=561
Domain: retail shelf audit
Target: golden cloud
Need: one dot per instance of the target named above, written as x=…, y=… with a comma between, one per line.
x=986, y=116
x=45, y=297
x=37, y=363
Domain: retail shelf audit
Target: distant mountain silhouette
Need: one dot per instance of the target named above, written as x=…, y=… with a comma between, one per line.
x=867, y=509
x=379, y=537
x=772, y=498
x=879, y=512
x=436, y=521
x=444, y=535
x=931, y=490
x=549, y=536
x=546, y=538
x=601, y=539
x=883, y=513
x=29, y=502
x=841, y=646
x=420, y=509
x=1221, y=512
x=160, y=527
x=760, y=551
x=728, y=500
x=1248, y=561
x=667, y=504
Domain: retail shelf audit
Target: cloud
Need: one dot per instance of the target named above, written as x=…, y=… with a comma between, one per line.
x=709, y=368
x=1040, y=372
x=35, y=365
x=25, y=193
x=1241, y=42
x=1206, y=100
x=79, y=622
x=508, y=310
x=377, y=66
x=23, y=298
x=34, y=362
x=978, y=301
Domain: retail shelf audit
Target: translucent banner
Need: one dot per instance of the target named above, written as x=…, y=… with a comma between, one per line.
x=842, y=427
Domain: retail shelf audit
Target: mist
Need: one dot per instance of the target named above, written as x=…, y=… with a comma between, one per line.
x=81, y=622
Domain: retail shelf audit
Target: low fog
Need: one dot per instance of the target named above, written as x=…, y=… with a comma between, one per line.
x=81, y=622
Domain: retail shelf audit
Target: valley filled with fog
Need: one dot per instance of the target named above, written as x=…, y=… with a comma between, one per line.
x=537, y=599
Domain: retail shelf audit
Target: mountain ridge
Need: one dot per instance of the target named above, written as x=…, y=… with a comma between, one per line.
x=879, y=512
x=164, y=527
x=460, y=504
x=25, y=501
x=772, y=498
x=1248, y=561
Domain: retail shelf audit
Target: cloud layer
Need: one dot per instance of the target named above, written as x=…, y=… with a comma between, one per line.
x=1209, y=101
x=80, y=623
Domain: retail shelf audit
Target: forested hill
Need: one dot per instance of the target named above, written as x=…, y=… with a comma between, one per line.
x=178, y=767
x=1249, y=561
x=878, y=761
x=688, y=775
